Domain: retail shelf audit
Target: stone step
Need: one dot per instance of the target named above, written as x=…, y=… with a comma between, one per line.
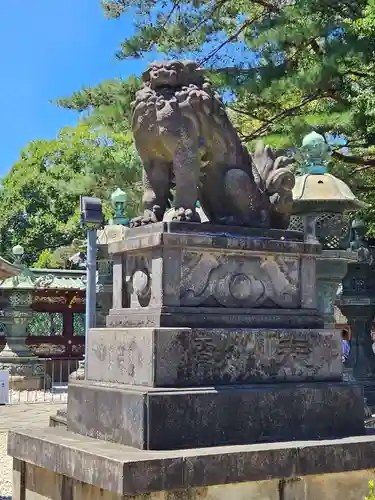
x=56, y=421
x=162, y=419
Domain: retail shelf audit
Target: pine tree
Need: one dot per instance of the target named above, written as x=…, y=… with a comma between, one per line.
x=107, y=105
x=287, y=66
x=284, y=67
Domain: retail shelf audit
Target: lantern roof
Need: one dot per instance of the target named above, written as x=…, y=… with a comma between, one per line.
x=325, y=192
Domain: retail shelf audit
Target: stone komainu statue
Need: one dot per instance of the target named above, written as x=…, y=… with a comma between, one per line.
x=188, y=144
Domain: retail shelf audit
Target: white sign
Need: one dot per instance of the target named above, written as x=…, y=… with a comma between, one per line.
x=4, y=387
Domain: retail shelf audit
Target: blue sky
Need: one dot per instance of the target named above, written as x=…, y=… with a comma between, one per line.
x=51, y=48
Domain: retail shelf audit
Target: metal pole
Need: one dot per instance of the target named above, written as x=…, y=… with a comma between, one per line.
x=90, y=286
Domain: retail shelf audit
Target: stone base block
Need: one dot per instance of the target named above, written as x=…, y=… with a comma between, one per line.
x=171, y=419
x=177, y=275
x=56, y=421
x=59, y=420
x=213, y=317
x=20, y=383
x=184, y=357
x=212, y=229
x=53, y=463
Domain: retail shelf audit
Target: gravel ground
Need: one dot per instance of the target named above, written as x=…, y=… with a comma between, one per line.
x=28, y=409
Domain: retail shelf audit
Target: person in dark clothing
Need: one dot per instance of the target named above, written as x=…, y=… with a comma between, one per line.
x=345, y=345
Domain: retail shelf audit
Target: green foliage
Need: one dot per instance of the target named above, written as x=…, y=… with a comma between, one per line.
x=289, y=66
x=107, y=105
x=285, y=67
x=57, y=259
x=371, y=495
x=40, y=194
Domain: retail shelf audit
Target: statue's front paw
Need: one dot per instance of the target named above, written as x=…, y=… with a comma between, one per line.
x=148, y=217
x=135, y=222
x=186, y=215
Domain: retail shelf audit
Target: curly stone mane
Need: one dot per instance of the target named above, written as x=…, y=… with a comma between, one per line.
x=186, y=140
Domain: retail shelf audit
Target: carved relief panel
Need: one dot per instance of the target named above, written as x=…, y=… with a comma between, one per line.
x=138, y=278
x=251, y=281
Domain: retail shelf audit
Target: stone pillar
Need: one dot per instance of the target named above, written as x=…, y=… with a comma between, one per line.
x=309, y=226
x=110, y=233
x=357, y=303
x=104, y=285
x=331, y=268
x=16, y=357
x=361, y=358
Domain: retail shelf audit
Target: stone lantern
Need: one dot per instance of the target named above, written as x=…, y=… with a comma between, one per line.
x=7, y=271
x=118, y=201
x=356, y=300
x=115, y=230
x=16, y=301
x=322, y=204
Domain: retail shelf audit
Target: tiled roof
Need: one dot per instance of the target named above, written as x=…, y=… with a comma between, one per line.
x=52, y=279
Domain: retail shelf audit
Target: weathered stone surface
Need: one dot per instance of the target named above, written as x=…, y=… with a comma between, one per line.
x=213, y=317
x=213, y=236
x=41, y=484
x=188, y=357
x=182, y=132
x=220, y=230
x=162, y=419
x=328, y=470
x=229, y=281
x=191, y=272
x=59, y=420
x=111, y=233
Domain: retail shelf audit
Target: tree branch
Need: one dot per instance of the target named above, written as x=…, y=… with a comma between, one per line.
x=233, y=37
x=168, y=18
x=270, y=6
x=364, y=163
x=233, y=69
x=207, y=18
x=286, y=112
x=246, y=113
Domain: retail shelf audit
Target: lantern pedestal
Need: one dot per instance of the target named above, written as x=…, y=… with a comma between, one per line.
x=357, y=303
x=25, y=369
x=331, y=267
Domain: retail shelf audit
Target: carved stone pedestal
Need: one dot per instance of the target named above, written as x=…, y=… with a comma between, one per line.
x=190, y=275
x=222, y=344
x=357, y=303
x=25, y=369
x=180, y=388
x=330, y=269
x=220, y=320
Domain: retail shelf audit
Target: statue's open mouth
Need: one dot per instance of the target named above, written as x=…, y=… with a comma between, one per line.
x=166, y=87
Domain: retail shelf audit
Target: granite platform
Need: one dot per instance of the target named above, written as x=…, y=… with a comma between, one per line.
x=213, y=359
x=54, y=463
